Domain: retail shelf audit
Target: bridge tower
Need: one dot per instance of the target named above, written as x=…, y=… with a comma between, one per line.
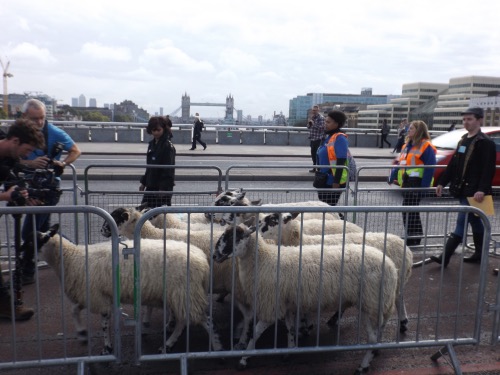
x=186, y=107
x=229, y=109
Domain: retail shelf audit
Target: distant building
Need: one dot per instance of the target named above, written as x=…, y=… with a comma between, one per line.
x=74, y=102
x=92, y=102
x=300, y=106
x=82, y=101
x=414, y=95
x=438, y=104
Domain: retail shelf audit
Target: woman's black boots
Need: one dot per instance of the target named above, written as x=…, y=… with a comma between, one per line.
x=478, y=248
x=450, y=247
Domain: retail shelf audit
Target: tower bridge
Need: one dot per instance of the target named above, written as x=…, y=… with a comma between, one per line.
x=186, y=108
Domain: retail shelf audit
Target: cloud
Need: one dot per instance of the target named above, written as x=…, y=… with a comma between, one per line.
x=236, y=59
x=31, y=52
x=98, y=51
x=165, y=55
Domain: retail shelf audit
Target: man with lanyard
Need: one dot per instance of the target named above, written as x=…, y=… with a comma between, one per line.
x=35, y=111
x=21, y=140
x=470, y=174
x=316, y=126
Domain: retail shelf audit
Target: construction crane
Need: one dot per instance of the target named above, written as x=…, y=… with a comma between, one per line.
x=6, y=75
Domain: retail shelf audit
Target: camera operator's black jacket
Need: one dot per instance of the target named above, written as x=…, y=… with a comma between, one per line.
x=161, y=153
x=479, y=172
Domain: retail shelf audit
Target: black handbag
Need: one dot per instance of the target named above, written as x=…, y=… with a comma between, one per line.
x=320, y=180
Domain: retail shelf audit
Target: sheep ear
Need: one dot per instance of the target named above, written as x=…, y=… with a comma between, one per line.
x=250, y=230
x=53, y=229
x=257, y=202
x=295, y=214
x=241, y=195
x=248, y=222
x=288, y=217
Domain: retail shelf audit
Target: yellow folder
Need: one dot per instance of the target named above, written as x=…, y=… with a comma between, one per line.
x=486, y=205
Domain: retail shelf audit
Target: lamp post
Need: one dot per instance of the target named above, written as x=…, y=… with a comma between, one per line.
x=6, y=75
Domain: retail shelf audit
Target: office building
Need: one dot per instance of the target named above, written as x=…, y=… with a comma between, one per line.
x=300, y=106
x=74, y=102
x=82, y=101
x=92, y=102
x=437, y=104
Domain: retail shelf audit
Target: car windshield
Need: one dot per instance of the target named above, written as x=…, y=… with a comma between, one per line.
x=448, y=140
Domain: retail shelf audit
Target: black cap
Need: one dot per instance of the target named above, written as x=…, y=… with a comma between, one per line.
x=476, y=111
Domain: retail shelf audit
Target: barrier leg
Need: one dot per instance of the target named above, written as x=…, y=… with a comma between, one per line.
x=448, y=349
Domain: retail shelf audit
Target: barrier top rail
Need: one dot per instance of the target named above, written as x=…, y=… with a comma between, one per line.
x=217, y=126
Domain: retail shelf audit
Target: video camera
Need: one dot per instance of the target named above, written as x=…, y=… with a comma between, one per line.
x=41, y=184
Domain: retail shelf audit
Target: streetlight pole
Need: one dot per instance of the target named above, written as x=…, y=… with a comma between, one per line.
x=6, y=75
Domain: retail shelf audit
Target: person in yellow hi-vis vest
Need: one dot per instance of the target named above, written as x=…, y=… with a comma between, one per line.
x=333, y=151
x=417, y=151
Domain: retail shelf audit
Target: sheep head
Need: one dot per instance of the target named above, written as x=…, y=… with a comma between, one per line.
x=41, y=238
x=232, y=242
x=233, y=199
x=124, y=218
x=272, y=221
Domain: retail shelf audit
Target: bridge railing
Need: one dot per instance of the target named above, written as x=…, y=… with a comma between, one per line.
x=131, y=132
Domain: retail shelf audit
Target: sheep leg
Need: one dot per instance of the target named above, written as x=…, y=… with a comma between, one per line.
x=210, y=328
x=372, y=339
x=335, y=319
x=246, y=326
x=108, y=347
x=146, y=318
x=403, y=317
x=81, y=331
x=172, y=339
x=260, y=327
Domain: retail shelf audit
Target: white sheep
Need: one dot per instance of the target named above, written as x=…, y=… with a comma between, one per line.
x=393, y=246
x=126, y=219
x=186, y=292
x=174, y=221
x=365, y=279
x=240, y=200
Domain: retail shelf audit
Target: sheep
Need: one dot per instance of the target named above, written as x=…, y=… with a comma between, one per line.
x=126, y=220
x=393, y=246
x=174, y=221
x=178, y=280
x=363, y=276
x=239, y=199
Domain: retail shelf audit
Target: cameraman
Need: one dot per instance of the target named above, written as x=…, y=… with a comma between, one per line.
x=43, y=158
x=21, y=140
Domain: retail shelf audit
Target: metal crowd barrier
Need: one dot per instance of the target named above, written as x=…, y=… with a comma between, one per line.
x=69, y=197
x=49, y=338
x=109, y=200
x=444, y=313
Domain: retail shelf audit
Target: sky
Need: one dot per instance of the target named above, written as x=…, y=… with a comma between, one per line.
x=263, y=53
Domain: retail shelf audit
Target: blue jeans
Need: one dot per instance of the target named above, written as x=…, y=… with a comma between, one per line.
x=474, y=221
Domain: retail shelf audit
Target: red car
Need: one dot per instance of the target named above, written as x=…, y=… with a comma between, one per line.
x=447, y=143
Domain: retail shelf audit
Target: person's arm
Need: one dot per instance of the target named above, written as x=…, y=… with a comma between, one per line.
x=73, y=154
x=428, y=158
x=488, y=168
x=341, y=147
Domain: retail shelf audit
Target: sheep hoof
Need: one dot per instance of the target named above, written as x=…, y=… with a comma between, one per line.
x=82, y=336
x=334, y=320
x=165, y=349
x=221, y=297
x=403, y=326
x=361, y=370
x=107, y=350
x=242, y=364
x=240, y=346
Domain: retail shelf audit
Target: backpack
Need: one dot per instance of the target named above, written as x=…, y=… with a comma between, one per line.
x=200, y=125
x=352, y=166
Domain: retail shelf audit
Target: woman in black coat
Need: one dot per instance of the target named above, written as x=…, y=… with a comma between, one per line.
x=161, y=151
